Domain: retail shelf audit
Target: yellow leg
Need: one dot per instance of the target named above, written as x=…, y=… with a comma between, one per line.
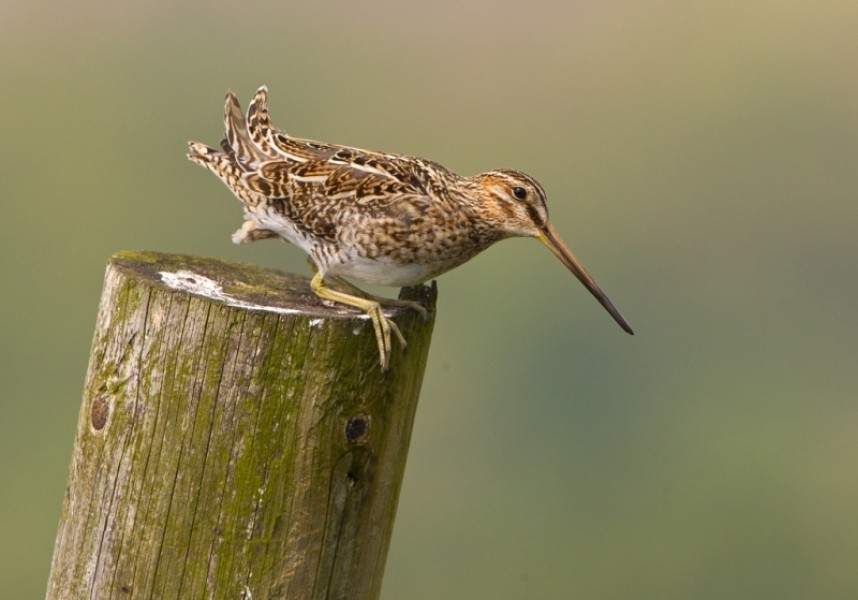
x=381, y=324
x=344, y=284
x=352, y=290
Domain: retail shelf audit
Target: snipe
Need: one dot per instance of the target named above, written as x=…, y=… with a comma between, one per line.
x=380, y=218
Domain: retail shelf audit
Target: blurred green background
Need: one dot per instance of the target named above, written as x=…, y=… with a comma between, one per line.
x=700, y=158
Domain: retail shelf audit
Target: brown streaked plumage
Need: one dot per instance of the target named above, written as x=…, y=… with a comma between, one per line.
x=380, y=218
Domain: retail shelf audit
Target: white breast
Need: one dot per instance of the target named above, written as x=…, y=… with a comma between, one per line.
x=380, y=272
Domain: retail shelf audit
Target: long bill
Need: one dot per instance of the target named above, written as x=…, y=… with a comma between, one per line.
x=549, y=237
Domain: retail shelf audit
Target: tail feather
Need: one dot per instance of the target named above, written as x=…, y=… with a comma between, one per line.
x=237, y=135
x=205, y=156
x=228, y=170
x=242, y=150
x=259, y=123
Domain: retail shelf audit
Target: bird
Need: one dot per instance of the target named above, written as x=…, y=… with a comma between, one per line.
x=374, y=217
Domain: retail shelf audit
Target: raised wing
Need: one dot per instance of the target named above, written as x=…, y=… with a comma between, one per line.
x=310, y=183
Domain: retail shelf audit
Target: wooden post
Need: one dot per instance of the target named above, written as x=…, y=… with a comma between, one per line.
x=237, y=439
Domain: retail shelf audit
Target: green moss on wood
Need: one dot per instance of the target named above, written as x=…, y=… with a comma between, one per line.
x=224, y=465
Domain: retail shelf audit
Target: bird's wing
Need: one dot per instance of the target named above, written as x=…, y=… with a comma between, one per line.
x=315, y=185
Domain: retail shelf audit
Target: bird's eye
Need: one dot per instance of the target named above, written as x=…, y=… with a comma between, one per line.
x=519, y=192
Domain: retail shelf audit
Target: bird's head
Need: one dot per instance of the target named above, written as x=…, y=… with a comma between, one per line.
x=515, y=203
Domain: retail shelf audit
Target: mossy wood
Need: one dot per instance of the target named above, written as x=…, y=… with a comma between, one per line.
x=237, y=439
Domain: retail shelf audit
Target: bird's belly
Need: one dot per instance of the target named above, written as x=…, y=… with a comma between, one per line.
x=282, y=227
x=381, y=272
x=345, y=260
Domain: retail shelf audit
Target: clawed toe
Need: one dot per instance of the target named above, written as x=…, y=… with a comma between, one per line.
x=382, y=326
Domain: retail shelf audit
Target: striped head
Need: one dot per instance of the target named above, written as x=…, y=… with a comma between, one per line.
x=514, y=203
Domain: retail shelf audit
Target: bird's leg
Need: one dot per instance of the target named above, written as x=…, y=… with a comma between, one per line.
x=413, y=305
x=356, y=291
x=381, y=324
x=353, y=290
x=418, y=306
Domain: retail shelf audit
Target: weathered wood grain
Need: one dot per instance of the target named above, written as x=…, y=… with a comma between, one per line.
x=237, y=439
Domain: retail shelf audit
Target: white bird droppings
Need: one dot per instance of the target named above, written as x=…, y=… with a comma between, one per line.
x=200, y=285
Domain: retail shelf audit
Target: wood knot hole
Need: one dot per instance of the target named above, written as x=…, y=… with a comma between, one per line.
x=357, y=429
x=99, y=412
x=352, y=478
